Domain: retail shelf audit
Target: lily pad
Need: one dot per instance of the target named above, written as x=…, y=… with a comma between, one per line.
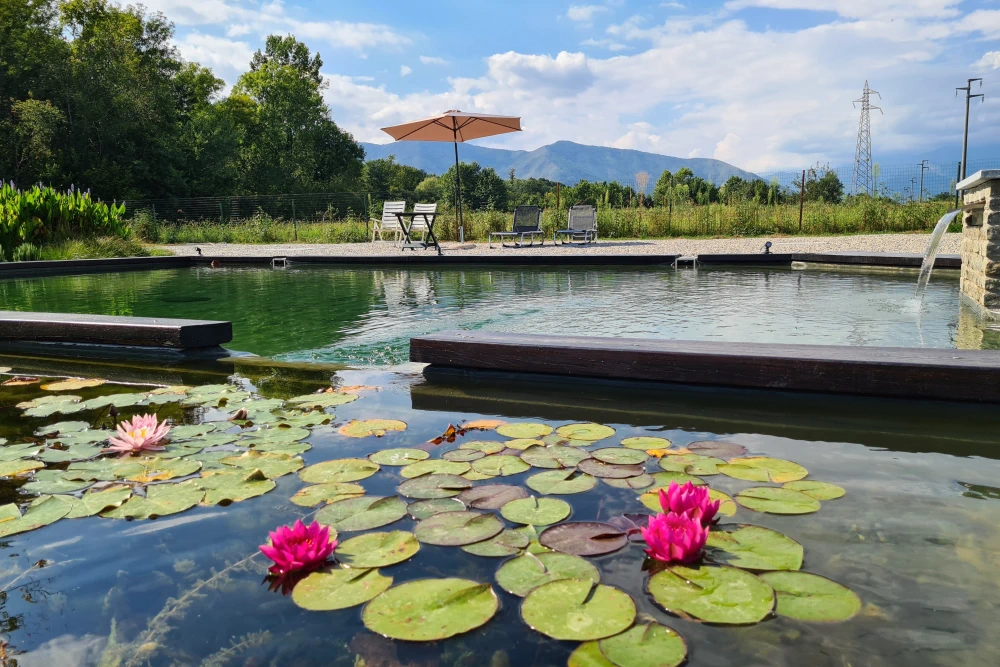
x=491, y=496
x=763, y=469
x=368, y=427
x=339, y=470
x=72, y=384
x=684, y=462
x=210, y=440
x=727, y=506
x=631, y=524
x=719, y=449
x=223, y=488
x=160, y=500
x=47, y=400
x=725, y=595
x=524, y=430
x=499, y=465
x=645, y=442
x=523, y=574
x=588, y=432
x=620, y=455
x=430, y=609
x=434, y=467
x=588, y=654
x=775, y=500
x=61, y=428
x=104, y=470
x=484, y=446
x=9, y=512
x=504, y=543
x=555, y=456
x=88, y=437
x=400, y=456
x=377, y=549
x=609, y=470
x=118, y=400
x=422, y=509
x=18, y=467
x=54, y=484
x=536, y=511
x=271, y=464
x=42, y=511
x=522, y=444
x=339, y=589
x=158, y=470
x=362, y=513
x=73, y=453
x=561, y=482
x=583, y=538
x=577, y=610
x=754, y=548
x=810, y=597
x=453, y=529
x=330, y=492
x=188, y=431
x=463, y=455
x=429, y=487
x=305, y=419
x=21, y=451
x=817, y=490
x=60, y=407
x=645, y=645
x=274, y=435
x=661, y=480
x=643, y=481
x=474, y=476
x=96, y=501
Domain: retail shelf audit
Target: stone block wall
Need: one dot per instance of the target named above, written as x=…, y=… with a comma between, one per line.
x=981, y=247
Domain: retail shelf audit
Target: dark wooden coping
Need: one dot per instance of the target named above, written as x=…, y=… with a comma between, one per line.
x=110, y=330
x=875, y=371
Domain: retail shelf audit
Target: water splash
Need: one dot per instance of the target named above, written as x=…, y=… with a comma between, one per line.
x=930, y=255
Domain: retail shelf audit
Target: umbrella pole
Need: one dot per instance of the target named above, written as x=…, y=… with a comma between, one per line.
x=458, y=195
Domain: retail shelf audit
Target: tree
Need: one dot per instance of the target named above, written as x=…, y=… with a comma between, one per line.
x=385, y=175
x=823, y=184
x=33, y=133
x=481, y=188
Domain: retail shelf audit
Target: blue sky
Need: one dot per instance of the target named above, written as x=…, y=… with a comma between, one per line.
x=762, y=84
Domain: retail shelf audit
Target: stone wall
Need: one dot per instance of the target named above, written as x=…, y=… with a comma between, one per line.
x=981, y=244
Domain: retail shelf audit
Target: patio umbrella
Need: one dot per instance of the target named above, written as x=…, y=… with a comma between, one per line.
x=454, y=126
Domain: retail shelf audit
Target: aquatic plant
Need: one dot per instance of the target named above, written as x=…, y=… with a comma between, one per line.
x=298, y=547
x=674, y=538
x=143, y=433
x=694, y=501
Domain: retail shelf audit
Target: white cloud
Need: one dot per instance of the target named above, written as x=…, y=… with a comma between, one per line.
x=567, y=74
x=584, y=13
x=433, y=60
x=238, y=30
x=405, y=71
x=989, y=60
x=609, y=44
x=856, y=9
x=728, y=149
x=227, y=57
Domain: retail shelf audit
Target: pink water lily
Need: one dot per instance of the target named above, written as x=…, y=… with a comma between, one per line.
x=674, y=538
x=299, y=547
x=691, y=500
x=142, y=433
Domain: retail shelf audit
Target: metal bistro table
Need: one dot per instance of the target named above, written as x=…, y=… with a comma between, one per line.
x=430, y=241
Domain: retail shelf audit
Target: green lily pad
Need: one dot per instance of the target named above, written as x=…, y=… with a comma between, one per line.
x=763, y=469
x=211, y=389
x=104, y=470
x=172, y=389
x=661, y=480
x=724, y=595
x=754, y=548
x=362, y=513
x=522, y=444
x=330, y=492
x=339, y=470
x=484, y=446
x=54, y=484
x=164, y=399
x=210, y=440
x=584, y=538
x=322, y=400
x=556, y=439
x=377, y=549
x=88, y=437
x=62, y=428
x=817, y=490
x=643, y=481
x=55, y=407
x=271, y=464
x=645, y=645
x=620, y=455
x=430, y=609
x=42, y=511
x=429, y=487
x=314, y=418
x=158, y=470
x=339, y=589
x=536, y=511
x=188, y=431
x=524, y=430
x=17, y=452
x=588, y=432
x=72, y=453
x=561, y=482
x=223, y=488
x=454, y=529
x=434, y=467
x=55, y=399
x=810, y=597
x=160, y=500
x=499, y=465
x=588, y=654
x=368, y=427
x=463, y=455
x=706, y=466
x=18, y=467
x=400, y=456
x=644, y=443
x=682, y=463
x=422, y=509
x=217, y=398
x=577, y=610
x=776, y=500
x=555, y=456
x=519, y=576
x=94, y=502
x=727, y=506
x=117, y=400
x=504, y=543
x=719, y=449
x=474, y=476
x=611, y=470
x=272, y=447
x=9, y=512
x=491, y=496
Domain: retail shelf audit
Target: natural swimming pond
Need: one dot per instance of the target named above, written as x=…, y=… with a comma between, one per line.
x=366, y=316
x=912, y=543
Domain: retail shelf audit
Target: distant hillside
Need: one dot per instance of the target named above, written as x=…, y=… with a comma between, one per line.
x=563, y=161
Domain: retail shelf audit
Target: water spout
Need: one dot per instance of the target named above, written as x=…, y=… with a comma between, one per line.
x=930, y=255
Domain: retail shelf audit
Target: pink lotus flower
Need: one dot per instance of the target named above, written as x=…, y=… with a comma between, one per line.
x=299, y=547
x=674, y=538
x=691, y=500
x=143, y=433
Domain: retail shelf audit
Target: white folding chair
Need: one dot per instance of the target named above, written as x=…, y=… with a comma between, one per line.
x=389, y=224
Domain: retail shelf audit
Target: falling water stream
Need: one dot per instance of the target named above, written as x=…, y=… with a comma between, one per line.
x=930, y=255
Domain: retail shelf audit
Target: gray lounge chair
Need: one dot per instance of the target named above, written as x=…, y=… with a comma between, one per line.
x=527, y=224
x=581, y=226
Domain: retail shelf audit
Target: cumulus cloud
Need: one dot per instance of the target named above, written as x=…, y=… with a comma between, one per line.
x=989, y=60
x=227, y=57
x=404, y=70
x=566, y=74
x=432, y=60
x=585, y=13
x=861, y=8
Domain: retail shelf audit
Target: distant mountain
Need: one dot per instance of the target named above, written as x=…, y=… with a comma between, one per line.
x=563, y=161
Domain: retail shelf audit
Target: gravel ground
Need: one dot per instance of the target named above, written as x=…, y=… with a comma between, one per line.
x=874, y=243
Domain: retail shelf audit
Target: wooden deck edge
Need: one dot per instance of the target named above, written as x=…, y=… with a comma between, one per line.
x=108, y=330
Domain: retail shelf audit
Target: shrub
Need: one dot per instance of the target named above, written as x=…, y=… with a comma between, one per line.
x=26, y=252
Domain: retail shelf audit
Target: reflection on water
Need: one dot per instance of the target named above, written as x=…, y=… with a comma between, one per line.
x=366, y=316
x=915, y=536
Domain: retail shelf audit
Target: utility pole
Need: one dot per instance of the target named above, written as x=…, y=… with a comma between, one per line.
x=923, y=168
x=862, y=180
x=968, y=98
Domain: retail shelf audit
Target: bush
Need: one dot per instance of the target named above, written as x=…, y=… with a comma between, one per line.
x=26, y=252
x=146, y=227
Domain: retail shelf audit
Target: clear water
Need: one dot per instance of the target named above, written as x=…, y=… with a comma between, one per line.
x=366, y=316
x=915, y=537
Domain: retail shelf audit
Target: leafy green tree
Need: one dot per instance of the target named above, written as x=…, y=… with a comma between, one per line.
x=385, y=175
x=822, y=184
x=33, y=132
x=481, y=188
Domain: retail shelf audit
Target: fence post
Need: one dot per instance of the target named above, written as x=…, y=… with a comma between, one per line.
x=295, y=226
x=958, y=177
x=802, y=197
x=558, y=204
x=154, y=212
x=222, y=216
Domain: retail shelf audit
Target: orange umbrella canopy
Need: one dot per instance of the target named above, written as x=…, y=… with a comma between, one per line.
x=456, y=126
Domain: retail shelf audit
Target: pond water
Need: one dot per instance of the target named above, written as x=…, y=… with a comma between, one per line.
x=914, y=537
x=366, y=316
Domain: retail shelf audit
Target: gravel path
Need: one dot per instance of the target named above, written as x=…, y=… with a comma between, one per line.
x=874, y=243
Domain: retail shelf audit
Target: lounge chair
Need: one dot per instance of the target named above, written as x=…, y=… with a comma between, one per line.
x=581, y=226
x=419, y=225
x=389, y=224
x=527, y=224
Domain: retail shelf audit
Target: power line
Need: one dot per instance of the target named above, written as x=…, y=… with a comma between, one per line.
x=862, y=180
